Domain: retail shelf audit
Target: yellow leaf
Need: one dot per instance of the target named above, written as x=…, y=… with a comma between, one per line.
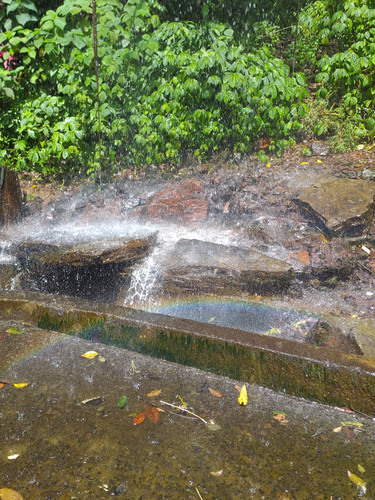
x=216, y=473
x=13, y=457
x=361, y=469
x=268, y=165
x=21, y=385
x=101, y=359
x=154, y=393
x=319, y=161
x=353, y=423
x=305, y=163
x=323, y=238
x=34, y=186
x=361, y=485
x=89, y=355
x=242, y=398
x=337, y=429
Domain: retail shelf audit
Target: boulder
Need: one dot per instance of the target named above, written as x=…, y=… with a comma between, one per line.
x=323, y=334
x=93, y=270
x=339, y=206
x=183, y=202
x=202, y=267
x=10, y=196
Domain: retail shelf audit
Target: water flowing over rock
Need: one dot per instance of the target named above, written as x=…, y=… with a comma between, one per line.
x=323, y=334
x=339, y=206
x=10, y=196
x=185, y=202
x=200, y=266
x=90, y=270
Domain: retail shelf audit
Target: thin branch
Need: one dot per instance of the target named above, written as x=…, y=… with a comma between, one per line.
x=181, y=408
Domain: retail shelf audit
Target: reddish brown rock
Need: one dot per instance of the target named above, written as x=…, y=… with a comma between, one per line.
x=10, y=196
x=185, y=202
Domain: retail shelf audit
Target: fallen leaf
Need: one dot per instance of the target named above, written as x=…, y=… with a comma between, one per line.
x=122, y=402
x=211, y=319
x=319, y=161
x=13, y=457
x=152, y=413
x=361, y=485
x=238, y=387
x=217, y=394
x=1, y=385
x=280, y=417
x=354, y=423
x=14, y=330
x=154, y=393
x=242, y=398
x=323, y=437
x=305, y=163
x=8, y=494
x=349, y=433
x=361, y=469
x=89, y=355
x=337, y=429
x=101, y=359
x=323, y=238
x=273, y=331
x=268, y=165
x=304, y=257
x=21, y=385
x=216, y=473
x=138, y=419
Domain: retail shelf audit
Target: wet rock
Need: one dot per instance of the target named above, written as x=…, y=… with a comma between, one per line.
x=199, y=266
x=185, y=202
x=320, y=148
x=339, y=206
x=10, y=196
x=93, y=270
x=325, y=259
x=323, y=334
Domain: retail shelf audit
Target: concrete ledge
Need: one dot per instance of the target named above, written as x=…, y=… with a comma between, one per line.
x=302, y=370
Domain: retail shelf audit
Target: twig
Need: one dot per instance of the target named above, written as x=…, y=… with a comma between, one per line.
x=365, y=267
x=200, y=496
x=181, y=408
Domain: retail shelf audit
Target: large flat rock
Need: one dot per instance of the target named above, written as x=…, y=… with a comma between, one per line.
x=95, y=270
x=340, y=206
x=199, y=266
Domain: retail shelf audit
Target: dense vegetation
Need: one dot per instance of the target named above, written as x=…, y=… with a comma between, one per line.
x=180, y=77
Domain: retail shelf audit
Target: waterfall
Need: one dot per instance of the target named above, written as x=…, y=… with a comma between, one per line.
x=144, y=281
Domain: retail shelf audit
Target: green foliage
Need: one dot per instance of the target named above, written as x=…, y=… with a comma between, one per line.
x=339, y=39
x=165, y=88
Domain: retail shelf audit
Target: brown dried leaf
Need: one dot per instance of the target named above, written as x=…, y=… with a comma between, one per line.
x=281, y=417
x=217, y=394
x=154, y=393
x=304, y=257
x=152, y=413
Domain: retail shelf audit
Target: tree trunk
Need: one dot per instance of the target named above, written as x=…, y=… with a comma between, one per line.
x=10, y=196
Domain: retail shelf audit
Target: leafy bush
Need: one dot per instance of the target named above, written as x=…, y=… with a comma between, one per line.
x=165, y=89
x=343, y=49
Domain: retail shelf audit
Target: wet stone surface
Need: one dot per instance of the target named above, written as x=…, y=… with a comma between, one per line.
x=71, y=450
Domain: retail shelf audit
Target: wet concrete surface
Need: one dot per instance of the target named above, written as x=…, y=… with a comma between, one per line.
x=70, y=450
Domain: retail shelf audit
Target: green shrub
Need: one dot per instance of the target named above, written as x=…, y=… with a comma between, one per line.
x=165, y=89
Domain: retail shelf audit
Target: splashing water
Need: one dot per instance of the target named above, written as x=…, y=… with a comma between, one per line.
x=146, y=278
x=143, y=281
